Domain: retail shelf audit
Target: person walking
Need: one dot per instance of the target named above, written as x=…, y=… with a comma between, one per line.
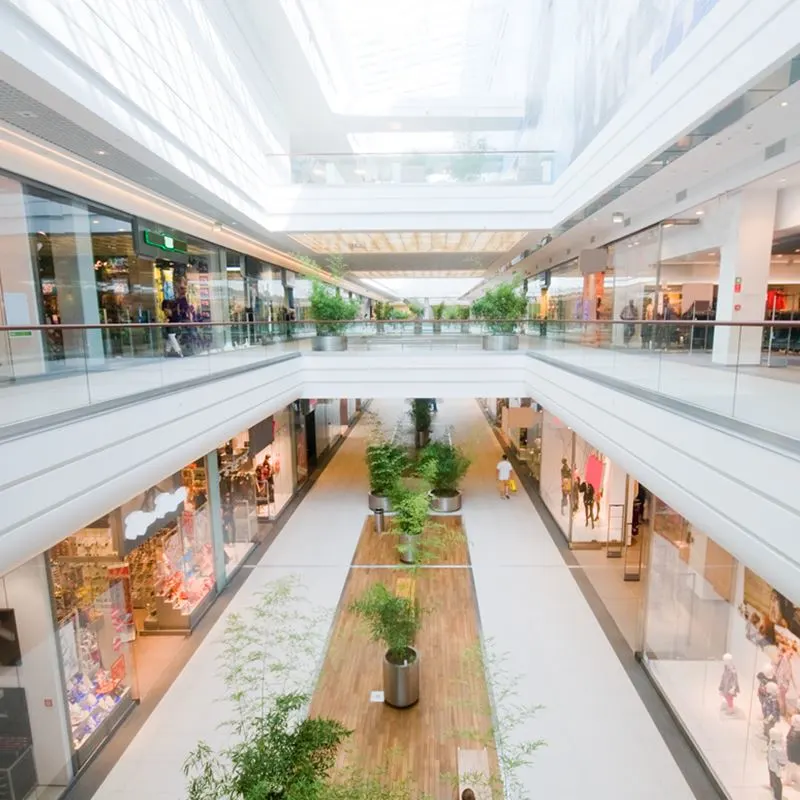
x=504, y=472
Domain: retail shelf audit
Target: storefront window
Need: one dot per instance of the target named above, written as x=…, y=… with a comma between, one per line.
x=146, y=568
x=256, y=482
x=35, y=750
x=632, y=287
x=556, y=483
x=725, y=648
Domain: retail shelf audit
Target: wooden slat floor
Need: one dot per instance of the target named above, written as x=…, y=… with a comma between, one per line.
x=419, y=743
x=446, y=543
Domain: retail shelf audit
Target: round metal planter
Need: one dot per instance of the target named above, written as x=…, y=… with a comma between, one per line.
x=501, y=341
x=329, y=344
x=401, y=682
x=408, y=548
x=379, y=502
x=446, y=505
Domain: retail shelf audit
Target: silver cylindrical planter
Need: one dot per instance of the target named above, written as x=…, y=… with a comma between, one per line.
x=379, y=501
x=401, y=682
x=408, y=548
x=379, y=520
x=329, y=344
x=501, y=341
x=446, y=505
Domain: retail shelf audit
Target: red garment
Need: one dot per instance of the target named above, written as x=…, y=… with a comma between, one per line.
x=776, y=300
x=594, y=472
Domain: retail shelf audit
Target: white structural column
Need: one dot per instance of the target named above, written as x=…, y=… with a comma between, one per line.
x=745, y=254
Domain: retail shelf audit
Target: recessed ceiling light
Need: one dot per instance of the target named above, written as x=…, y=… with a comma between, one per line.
x=100, y=152
x=95, y=222
x=784, y=103
x=782, y=180
x=699, y=212
x=617, y=217
x=121, y=230
x=711, y=254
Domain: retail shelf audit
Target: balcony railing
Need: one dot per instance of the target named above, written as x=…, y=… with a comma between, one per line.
x=752, y=374
x=477, y=166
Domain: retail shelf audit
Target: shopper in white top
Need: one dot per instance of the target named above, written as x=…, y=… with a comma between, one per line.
x=504, y=472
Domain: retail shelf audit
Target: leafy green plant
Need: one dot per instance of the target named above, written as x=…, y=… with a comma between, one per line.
x=445, y=466
x=501, y=307
x=386, y=463
x=334, y=263
x=415, y=308
x=273, y=751
x=330, y=310
x=411, y=510
x=393, y=620
x=421, y=414
x=438, y=311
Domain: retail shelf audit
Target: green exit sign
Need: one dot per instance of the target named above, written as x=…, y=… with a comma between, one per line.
x=168, y=244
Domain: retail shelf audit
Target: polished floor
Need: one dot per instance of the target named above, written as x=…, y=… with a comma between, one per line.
x=530, y=611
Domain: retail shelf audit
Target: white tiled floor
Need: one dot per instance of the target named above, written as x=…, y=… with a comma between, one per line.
x=530, y=607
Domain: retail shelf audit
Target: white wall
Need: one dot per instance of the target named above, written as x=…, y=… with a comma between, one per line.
x=26, y=590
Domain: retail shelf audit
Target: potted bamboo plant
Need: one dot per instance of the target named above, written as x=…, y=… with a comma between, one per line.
x=386, y=463
x=331, y=312
x=445, y=466
x=411, y=514
x=501, y=307
x=394, y=621
x=421, y=416
x=438, y=316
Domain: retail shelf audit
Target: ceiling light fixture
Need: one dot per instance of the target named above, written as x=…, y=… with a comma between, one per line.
x=95, y=222
x=618, y=217
x=100, y=152
x=784, y=103
x=699, y=212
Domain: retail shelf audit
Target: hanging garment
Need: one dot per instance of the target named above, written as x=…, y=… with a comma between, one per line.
x=594, y=471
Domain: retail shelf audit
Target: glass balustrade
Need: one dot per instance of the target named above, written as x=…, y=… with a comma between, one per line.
x=748, y=372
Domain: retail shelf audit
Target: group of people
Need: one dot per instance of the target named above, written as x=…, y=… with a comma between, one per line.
x=652, y=336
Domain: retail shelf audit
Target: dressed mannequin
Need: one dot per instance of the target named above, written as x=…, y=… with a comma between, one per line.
x=793, y=752
x=770, y=707
x=729, y=683
x=776, y=761
x=784, y=677
x=764, y=677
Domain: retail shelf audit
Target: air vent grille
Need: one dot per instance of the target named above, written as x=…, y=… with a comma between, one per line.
x=681, y=196
x=627, y=222
x=775, y=149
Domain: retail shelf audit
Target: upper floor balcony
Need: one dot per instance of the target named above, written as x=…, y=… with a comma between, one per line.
x=68, y=369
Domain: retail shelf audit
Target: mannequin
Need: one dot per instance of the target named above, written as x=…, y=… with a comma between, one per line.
x=784, y=677
x=776, y=761
x=770, y=708
x=764, y=677
x=793, y=752
x=729, y=683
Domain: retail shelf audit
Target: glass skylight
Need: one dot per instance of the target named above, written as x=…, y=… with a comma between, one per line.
x=466, y=57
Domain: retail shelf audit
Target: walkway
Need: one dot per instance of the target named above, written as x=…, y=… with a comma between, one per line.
x=600, y=738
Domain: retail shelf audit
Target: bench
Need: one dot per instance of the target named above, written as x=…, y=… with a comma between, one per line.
x=474, y=773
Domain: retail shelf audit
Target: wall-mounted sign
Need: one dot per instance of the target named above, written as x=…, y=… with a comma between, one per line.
x=169, y=244
x=737, y=286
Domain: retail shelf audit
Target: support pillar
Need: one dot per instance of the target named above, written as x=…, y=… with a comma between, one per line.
x=73, y=265
x=215, y=517
x=745, y=256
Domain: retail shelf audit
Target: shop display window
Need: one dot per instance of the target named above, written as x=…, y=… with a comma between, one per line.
x=724, y=647
x=256, y=482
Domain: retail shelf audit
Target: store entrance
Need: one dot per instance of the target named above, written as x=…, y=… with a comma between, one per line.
x=127, y=590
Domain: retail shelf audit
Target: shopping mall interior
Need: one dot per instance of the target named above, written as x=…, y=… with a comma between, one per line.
x=399, y=400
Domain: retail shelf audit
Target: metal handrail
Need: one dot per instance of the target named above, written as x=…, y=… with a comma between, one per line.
x=451, y=322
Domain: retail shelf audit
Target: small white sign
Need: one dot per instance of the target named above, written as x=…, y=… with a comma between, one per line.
x=376, y=697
